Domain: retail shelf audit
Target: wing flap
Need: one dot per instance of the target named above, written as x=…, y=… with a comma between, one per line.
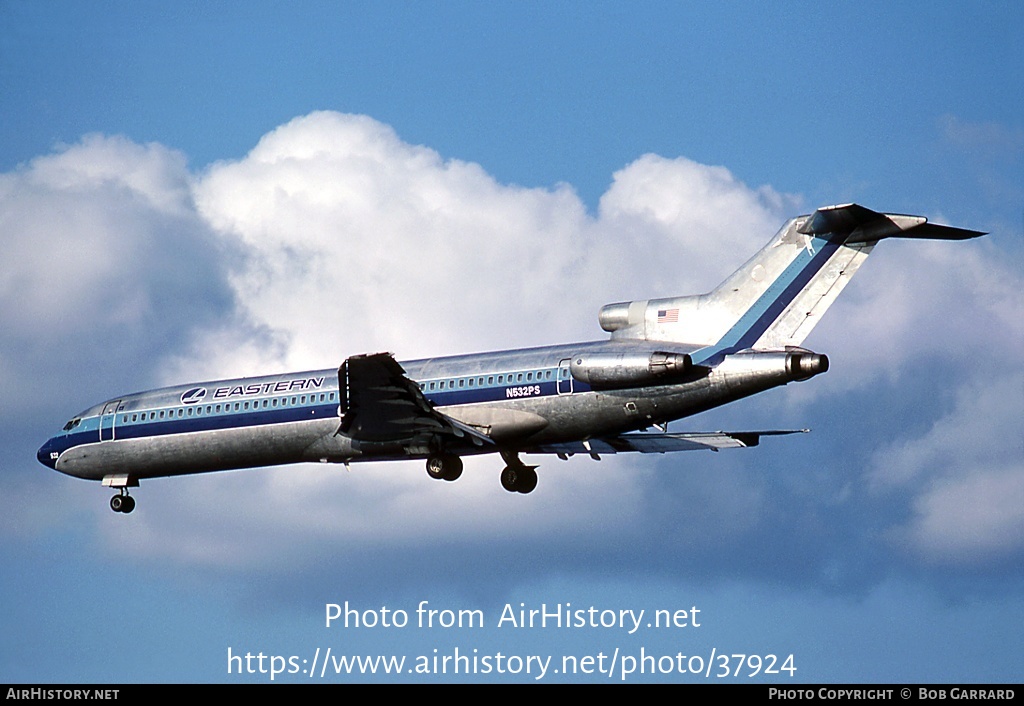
x=380, y=403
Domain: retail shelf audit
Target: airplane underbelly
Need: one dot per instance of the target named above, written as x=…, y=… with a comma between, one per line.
x=616, y=411
x=194, y=452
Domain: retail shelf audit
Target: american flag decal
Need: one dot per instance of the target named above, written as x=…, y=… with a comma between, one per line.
x=668, y=316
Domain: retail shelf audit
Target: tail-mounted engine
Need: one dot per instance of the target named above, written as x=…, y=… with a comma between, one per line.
x=804, y=364
x=608, y=370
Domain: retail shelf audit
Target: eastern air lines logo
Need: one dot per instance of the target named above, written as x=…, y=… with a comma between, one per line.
x=196, y=394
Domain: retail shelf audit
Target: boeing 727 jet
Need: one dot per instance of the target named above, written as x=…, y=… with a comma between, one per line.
x=665, y=359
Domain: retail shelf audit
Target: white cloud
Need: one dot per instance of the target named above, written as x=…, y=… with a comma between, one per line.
x=107, y=267
x=971, y=519
x=965, y=476
x=75, y=225
x=696, y=224
x=359, y=242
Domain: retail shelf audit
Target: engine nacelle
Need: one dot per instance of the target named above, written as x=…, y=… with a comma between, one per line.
x=804, y=365
x=612, y=370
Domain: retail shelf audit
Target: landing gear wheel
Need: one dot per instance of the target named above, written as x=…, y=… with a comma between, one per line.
x=510, y=478
x=453, y=468
x=435, y=467
x=519, y=479
x=527, y=480
x=444, y=467
x=122, y=503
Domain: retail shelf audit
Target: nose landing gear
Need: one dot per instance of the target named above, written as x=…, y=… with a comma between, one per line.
x=122, y=503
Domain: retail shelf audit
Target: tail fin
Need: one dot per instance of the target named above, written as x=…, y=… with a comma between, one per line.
x=780, y=294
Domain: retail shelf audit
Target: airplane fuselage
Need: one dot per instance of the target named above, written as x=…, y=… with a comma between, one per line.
x=520, y=398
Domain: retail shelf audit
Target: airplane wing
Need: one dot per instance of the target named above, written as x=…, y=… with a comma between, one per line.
x=379, y=402
x=648, y=443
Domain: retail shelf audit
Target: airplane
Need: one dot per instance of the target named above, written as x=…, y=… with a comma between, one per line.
x=665, y=359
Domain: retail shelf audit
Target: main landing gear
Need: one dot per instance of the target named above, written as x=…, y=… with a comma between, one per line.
x=517, y=477
x=444, y=467
x=122, y=503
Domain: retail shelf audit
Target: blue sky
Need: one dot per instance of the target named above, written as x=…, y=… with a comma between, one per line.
x=198, y=190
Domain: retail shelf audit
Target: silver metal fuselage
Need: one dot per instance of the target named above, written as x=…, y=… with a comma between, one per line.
x=518, y=398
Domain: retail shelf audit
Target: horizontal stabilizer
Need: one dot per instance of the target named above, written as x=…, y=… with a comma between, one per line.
x=862, y=225
x=649, y=443
x=934, y=231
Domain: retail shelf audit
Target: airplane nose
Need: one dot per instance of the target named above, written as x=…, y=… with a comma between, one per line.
x=46, y=456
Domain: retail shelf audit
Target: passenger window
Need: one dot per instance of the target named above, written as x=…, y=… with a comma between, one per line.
x=519, y=377
x=471, y=382
x=529, y=376
x=490, y=379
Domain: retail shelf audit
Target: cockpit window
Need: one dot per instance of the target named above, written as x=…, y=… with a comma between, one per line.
x=72, y=424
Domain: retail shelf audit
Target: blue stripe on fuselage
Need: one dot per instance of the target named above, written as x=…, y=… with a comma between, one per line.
x=770, y=305
x=183, y=425
x=88, y=432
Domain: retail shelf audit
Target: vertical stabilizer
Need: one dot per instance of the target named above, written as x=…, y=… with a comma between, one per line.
x=778, y=296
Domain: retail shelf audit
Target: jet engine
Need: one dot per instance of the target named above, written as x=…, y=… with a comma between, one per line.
x=804, y=364
x=620, y=369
